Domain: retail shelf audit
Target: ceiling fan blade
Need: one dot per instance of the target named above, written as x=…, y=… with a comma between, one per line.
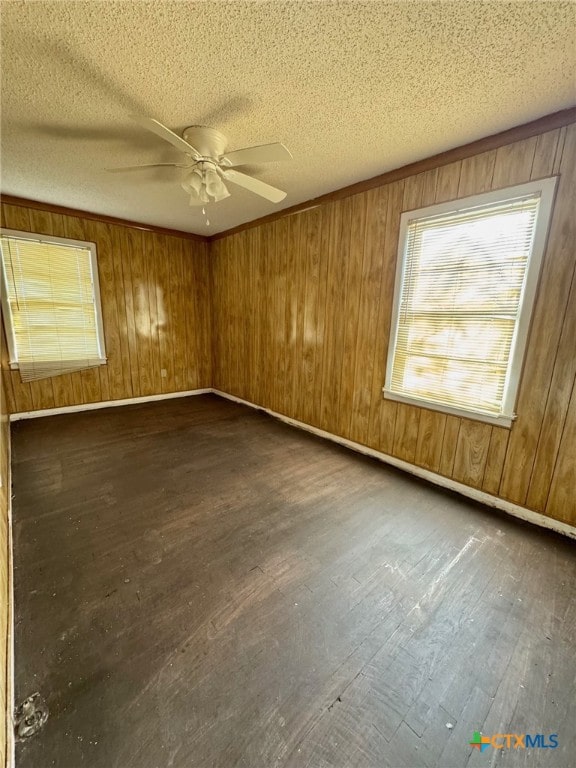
x=165, y=133
x=139, y=167
x=265, y=153
x=254, y=185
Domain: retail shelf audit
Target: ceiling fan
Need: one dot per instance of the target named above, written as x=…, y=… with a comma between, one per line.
x=207, y=165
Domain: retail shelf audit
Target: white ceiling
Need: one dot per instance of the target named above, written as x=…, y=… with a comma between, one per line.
x=352, y=88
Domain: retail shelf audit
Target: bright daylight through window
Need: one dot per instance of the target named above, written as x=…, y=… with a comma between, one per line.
x=51, y=304
x=465, y=286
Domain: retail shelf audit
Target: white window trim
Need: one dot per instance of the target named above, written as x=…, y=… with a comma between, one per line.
x=14, y=365
x=547, y=188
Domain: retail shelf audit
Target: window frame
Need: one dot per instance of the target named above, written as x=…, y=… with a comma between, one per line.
x=547, y=189
x=65, y=241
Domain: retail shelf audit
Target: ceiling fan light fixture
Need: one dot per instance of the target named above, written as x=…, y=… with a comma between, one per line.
x=192, y=183
x=222, y=194
x=213, y=183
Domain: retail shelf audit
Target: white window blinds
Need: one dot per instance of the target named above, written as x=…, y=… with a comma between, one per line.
x=459, y=304
x=51, y=304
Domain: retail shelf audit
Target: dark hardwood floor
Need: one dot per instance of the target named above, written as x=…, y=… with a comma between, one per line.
x=199, y=585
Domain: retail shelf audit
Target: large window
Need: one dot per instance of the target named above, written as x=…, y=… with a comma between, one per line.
x=465, y=285
x=51, y=304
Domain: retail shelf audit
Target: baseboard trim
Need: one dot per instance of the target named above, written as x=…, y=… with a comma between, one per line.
x=509, y=507
x=18, y=416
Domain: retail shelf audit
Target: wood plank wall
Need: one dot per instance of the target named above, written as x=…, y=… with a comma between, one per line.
x=302, y=310
x=156, y=311
x=4, y=553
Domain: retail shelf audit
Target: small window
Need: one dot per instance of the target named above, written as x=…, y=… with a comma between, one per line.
x=465, y=286
x=51, y=304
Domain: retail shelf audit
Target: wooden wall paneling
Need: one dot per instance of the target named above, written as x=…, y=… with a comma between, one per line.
x=173, y=298
x=203, y=312
x=555, y=412
x=270, y=321
x=323, y=412
x=248, y=331
x=258, y=259
x=246, y=270
x=429, y=184
x=246, y=320
x=367, y=332
x=277, y=278
x=447, y=182
x=406, y=429
x=351, y=311
x=266, y=260
x=291, y=310
x=212, y=268
x=187, y=316
x=561, y=502
x=383, y=227
x=232, y=289
x=449, y=445
x=559, y=150
x=408, y=416
x=222, y=316
x=142, y=315
x=164, y=330
x=565, y=364
x=514, y=163
x=180, y=316
x=121, y=309
x=429, y=441
x=338, y=312
x=300, y=314
x=227, y=339
x=198, y=303
x=131, y=244
x=476, y=174
x=495, y=460
x=545, y=154
x=546, y=329
x=322, y=327
x=149, y=297
x=311, y=223
x=269, y=261
x=471, y=452
x=340, y=213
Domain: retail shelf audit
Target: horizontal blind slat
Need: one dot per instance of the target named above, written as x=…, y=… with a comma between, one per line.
x=462, y=283
x=51, y=297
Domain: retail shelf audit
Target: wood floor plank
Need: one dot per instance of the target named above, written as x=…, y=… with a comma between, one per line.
x=200, y=585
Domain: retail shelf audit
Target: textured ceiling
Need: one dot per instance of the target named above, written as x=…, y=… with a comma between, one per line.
x=352, y=88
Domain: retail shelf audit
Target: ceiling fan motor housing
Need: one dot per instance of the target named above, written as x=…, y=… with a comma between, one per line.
x=208, y=141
